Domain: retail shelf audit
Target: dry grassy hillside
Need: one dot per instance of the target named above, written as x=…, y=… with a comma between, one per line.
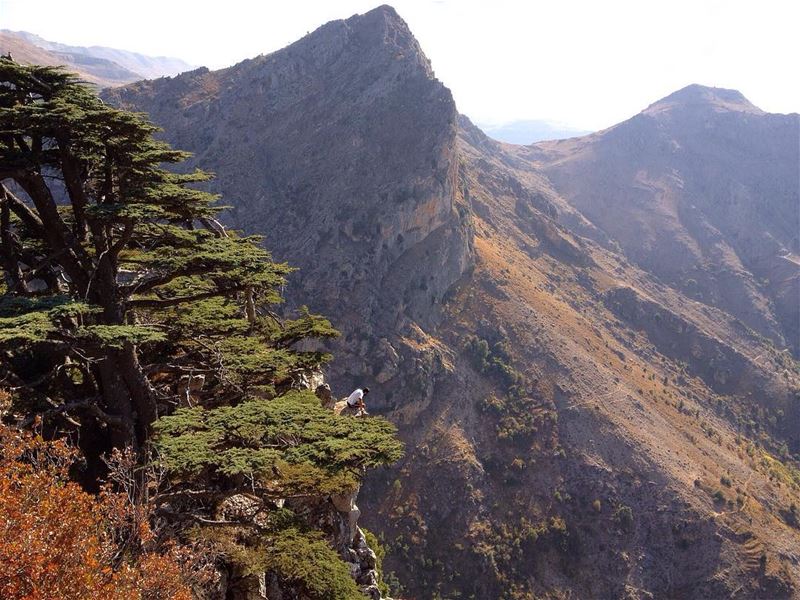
x=100, y=66
x=617, y=465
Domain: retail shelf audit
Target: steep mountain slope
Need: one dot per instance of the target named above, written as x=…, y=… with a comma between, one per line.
x=104, y=67
x=576, y=426
x=340, y=146
x=627, y=402
x=701, y=189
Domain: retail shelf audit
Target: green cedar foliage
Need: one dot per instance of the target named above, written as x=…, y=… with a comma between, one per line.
x=115, y=265
x=287, y=446
x=121, y=289
x=308, y=560
x=306, y=566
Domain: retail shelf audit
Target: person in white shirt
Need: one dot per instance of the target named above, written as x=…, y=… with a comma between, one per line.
x=356, y=399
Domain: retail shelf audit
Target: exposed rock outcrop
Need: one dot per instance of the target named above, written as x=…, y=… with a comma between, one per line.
x=336, y=516
x=340, y=146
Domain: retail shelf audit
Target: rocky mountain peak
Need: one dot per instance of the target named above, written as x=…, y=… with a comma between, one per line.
x=378, y=44
x=699, y=96
x=384, y=29
x=341, y=145
x=710, y=218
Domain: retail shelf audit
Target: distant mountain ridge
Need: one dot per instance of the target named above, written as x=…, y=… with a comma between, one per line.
x=696, y=95
x=529, y=131
x=701, y=189
x=102, y=66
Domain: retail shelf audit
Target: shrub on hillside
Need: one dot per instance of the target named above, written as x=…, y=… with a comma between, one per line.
x=57, y=541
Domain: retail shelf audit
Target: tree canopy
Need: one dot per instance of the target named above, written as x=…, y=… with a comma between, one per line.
x=131, y=316
x=117, y=272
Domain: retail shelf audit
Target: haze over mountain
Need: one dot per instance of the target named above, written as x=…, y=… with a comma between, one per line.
x=586, y=344
x=104, y=67
x=528, y=132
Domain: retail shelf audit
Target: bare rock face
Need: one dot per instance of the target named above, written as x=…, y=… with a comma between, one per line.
x=323, y=392
x=346, y=505
x=340, y=151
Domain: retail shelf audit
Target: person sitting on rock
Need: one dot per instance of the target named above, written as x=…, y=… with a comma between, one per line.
x=356, y=400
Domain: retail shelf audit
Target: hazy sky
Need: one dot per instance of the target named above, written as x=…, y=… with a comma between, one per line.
x=585, y=63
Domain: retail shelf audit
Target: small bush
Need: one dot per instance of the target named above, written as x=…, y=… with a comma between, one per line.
x=624, y=516
x=494, y=361
x=57, y=541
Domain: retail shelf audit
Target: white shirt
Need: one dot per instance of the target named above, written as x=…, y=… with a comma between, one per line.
x=355, y=397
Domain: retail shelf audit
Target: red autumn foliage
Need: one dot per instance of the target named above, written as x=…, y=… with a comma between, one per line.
x=57, y=541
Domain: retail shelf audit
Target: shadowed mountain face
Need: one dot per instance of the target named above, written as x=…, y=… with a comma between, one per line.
x=580, y=421
x=341, y=145
x=101, y=66
x=701, y=189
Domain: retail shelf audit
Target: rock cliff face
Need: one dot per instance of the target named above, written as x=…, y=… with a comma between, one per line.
x=340, y=146
x=581, y=420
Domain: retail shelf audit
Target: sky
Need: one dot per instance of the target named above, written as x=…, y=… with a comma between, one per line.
x=587, y=64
